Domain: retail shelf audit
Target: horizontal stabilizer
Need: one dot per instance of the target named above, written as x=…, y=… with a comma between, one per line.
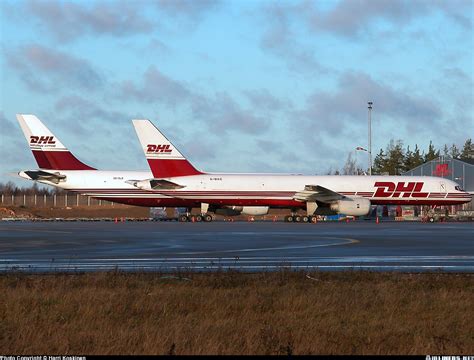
x=40, y=175
x=160, y=184
x=155, y=184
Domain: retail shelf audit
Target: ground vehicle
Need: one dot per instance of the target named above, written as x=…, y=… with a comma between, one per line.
x=436, y=215
x=166, y=214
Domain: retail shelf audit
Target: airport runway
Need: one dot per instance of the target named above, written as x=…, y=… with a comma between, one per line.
x=258, y=246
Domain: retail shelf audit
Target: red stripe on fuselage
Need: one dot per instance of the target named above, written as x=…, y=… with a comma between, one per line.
x=59, y=160
x=274, y=203
x=422, y=201
x=165, y=202
x=171, y=202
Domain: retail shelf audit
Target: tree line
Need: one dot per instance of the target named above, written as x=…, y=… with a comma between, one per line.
x=396, y=159
x=10, y=188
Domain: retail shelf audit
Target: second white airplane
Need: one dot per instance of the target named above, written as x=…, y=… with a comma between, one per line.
x=174, y=176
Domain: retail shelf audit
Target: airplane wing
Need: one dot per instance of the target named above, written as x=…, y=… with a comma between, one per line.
x=312, y=193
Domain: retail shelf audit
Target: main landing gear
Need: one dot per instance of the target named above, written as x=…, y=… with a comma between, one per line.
x=204, y=216
x=301, y=218
x=195, y=218
x=311, y=207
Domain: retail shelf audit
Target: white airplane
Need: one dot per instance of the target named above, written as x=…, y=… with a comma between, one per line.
x=254, y=194
x=174, y=182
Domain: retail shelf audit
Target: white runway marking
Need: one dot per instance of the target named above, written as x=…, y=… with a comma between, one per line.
x=270, y=258
x=346, y=241
x=94, y=267
x=37, y=230
x=448, y=263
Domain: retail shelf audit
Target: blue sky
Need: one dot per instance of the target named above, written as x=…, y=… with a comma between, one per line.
x=238, y=86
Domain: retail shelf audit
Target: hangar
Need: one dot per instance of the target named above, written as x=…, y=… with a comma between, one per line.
x=460, y=171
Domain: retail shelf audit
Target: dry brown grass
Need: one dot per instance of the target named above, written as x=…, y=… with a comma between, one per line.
x=234, y=313
x=108, y=211
x=79, y=212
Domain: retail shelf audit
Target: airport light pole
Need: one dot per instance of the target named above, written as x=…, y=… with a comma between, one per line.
x=370, y=137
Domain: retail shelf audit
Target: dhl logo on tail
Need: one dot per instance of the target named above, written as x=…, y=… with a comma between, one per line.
x=151, y=148
x=390, y=189
x=38, y=140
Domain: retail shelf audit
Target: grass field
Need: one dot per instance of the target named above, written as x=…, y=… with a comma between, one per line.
x=282, y=312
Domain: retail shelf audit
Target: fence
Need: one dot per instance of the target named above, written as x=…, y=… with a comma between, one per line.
x=63, y=200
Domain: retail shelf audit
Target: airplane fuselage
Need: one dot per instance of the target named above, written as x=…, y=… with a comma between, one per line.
x=273, y=190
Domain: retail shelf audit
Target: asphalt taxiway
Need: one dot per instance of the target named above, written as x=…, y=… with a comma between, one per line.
x=256, y=246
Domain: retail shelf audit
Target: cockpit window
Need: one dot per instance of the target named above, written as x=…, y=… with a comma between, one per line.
x=458, y=188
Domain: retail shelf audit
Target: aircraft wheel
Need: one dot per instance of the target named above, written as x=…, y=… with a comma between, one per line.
x=198, y=218
x=314, y=219
x=305, y=219
x=297, y=218
x=183, y=218
x=207, y=218
x=288, y=218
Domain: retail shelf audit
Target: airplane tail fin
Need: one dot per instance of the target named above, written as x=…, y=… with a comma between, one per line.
x=164, y=159
x=48, y=151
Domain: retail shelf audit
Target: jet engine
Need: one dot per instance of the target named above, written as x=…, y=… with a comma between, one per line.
x=244, y=210
x=352, y=207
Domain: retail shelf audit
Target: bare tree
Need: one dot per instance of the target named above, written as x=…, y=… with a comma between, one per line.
x=350, y=167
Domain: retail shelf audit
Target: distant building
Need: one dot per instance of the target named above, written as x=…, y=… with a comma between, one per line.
x=460, y=171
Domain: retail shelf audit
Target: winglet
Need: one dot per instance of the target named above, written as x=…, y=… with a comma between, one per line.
x=164, y=159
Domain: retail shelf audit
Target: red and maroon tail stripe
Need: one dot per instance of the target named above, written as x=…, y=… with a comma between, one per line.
x=162, y=168
x=59, y=160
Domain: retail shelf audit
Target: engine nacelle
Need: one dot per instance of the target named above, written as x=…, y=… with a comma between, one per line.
x=244, y=210
x=352, y=207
